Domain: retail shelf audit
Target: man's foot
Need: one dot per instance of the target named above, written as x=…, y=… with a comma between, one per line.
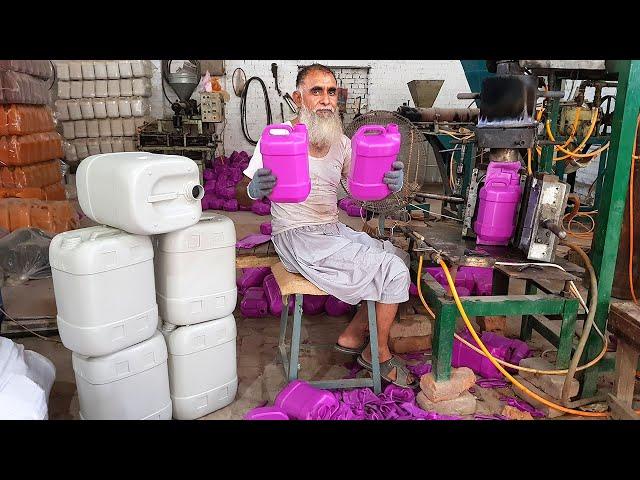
x=392, y=369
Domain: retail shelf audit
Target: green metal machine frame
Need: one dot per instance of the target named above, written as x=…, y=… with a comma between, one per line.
x=611, y=194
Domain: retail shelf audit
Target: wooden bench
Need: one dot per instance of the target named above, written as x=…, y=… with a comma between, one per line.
x=296, y=284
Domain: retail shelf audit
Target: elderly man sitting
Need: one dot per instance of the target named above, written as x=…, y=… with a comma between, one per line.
x=311, y=241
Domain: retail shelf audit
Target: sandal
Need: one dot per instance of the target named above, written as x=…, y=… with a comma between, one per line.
x=350, y=351
x=402, y=374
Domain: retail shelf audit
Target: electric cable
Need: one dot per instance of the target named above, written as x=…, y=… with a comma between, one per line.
x=243, y=108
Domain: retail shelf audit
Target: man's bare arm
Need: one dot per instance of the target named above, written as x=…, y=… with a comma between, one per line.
x=241, y=192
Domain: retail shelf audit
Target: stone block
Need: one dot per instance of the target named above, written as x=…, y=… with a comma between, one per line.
x=460, y=381
x=464, y=404
x=550, y=384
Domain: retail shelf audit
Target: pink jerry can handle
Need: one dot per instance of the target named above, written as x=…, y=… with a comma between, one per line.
x=496, y=181
x=371, y=128
x=278, y=127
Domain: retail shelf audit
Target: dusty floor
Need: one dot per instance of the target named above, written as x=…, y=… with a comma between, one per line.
x=260, y=375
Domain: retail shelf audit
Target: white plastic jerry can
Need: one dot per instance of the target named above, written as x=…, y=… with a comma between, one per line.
x=141, y=193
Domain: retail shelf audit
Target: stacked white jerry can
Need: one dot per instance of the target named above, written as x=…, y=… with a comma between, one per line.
x=196, y=294
x=104, y=281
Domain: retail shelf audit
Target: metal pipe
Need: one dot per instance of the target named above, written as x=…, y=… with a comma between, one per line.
x=437, y=196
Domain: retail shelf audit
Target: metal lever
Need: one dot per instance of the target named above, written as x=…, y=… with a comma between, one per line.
x=554, y=228
x=468, y=96
x=550, y=94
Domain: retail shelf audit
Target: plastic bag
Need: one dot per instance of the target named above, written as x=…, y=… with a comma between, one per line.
x=24, y=255
x=26, y=378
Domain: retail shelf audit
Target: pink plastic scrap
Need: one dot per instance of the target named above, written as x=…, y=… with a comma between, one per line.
x=301, y=401
x=420, y=369
x=253, y=240
x=482, y=416
x=265, y=228
x=522, y=406
x=491, y=383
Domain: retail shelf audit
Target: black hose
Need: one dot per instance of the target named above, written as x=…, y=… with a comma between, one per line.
x=243, y=108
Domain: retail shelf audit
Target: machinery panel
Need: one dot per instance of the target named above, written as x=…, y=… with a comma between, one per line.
x=211, y=107
x=547, y=200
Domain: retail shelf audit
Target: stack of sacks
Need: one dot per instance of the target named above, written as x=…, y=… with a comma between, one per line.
x=105, y=281
x=262, y=297
x=49, y=216
x=30, y=150
x=101, y=103
x=220, y=185
x=351, y=206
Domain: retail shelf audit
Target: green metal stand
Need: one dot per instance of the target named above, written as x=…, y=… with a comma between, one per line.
x=604, y=247
x=534, y=306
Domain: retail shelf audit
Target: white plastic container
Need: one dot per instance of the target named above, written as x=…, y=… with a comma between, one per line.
x=80, y=127
x=104, y=127
x=116, y=127
x=132, y=384
x=137, y=68
x=70, y=152
x=139, y=106
x=124, y=107
x=62, y=110
x=113, y=88
x=117, y=144
x=105, y=145
x=100, y=69
x=75, y=70
x=76, y=89
x=93, y=131
x=125, y=68
x=112, y=108
x=75, y=112
x=68, y=130
x=139, y=192
x=102, y=89
x=88, y=72
x=64, y=90
x=128, y=127
x=126, y=87
x=196, y=271
x=81, y=148
x=142, y=87
x=202, y=367
x=93, y=145
x=130, y=145
x=100, y=107
x=148, y=68
x=86, y=107
x=113, y=71
x=104, y=288
x=88, y=88
x=62, y=70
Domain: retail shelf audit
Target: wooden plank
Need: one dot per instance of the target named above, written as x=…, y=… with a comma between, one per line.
x=624, y=321
x=251, y=261
x=625, y=379
x=620, y=411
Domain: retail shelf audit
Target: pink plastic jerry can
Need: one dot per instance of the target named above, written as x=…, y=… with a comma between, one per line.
x=374, y=148
x=285, y=151
x=499, y=200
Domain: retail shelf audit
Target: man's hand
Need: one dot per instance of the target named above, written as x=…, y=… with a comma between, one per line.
x=395, y=177
x=262, y=183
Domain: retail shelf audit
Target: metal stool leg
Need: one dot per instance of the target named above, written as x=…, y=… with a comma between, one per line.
x=282, y=343
x=373, y=341
x=295, y=338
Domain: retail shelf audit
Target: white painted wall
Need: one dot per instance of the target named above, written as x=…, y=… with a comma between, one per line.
x=387, y=89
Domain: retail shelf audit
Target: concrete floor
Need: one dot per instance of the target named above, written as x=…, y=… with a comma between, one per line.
x=259, y=374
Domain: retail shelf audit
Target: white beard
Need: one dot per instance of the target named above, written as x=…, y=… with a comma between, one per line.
x=323, y=130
